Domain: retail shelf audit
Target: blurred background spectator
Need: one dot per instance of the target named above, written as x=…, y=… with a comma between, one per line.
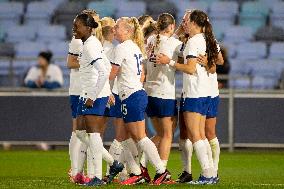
x=45, y=74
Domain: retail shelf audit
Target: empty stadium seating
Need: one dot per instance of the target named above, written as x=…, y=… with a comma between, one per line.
x=29, y=26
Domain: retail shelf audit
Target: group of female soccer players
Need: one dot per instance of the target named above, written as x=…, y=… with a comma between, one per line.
x=135, y=77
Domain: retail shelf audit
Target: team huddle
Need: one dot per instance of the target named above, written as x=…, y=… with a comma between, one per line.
x=136, y=77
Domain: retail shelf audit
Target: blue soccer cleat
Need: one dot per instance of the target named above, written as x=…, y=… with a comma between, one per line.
x=202, y=180
x=114, y=169
x=216, y=179
x=95, y=182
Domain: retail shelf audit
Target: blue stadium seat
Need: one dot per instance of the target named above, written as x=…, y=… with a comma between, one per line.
x=2, y=34
x=39, y=13
x=260, y=82
x=277, y=15
x=184, y=5
x=20, y=33
x=29, y=49
x=5, y=67
x=276, y=51
x=58, y=48
x=240, y=82
x=266, y=68
x=55, y=3
x=24, y=63
x=269, y=3
x=231, y=48
x=255, y=50
x=51, y=33
x=11, y=12
x=253, y=14
x=219, y=27
x=239, y=67
x=130, y=8
x=65, y=71
x=261, y=68
x=225, y=11
x=104, y=8
x=238, y=34
x=21, y=66
x=208, y=2
x=5, y=73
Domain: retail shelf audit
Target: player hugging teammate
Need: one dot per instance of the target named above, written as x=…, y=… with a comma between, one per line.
x=109, y=81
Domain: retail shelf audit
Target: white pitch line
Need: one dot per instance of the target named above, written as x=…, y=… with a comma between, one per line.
x=268, y=184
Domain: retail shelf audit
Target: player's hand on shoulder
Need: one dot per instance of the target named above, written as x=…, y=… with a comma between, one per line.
x=202, y=60
x=162, y=59
x=149, y=49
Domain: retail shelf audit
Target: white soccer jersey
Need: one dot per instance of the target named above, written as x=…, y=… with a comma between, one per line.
x=93, y=71
x=75, y=48
x=198, y=84
x=214, y=82
x=128, y=56
x=108, y=50
x=160, y=79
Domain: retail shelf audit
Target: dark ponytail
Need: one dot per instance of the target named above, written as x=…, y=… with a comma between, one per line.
x=201, y=19
x=149, y=29
x=164, y=20
x=87, y=20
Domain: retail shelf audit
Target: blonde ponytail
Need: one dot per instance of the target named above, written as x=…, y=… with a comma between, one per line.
x=98, y=32
x=138, y=36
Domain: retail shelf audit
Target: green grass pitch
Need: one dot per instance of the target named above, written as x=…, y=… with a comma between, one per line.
x=242, y=169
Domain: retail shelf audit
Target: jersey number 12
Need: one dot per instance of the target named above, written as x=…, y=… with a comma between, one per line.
x=138, y=61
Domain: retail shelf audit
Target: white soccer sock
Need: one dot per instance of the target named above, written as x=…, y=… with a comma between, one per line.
x=74, y=147
x=115, y=151
x=186, y=154
x=144, y=159
x=209, y=153
x=129, y=159
x=201, y=153
x=83, y=136
x=215, y=147
x=90, y=164
x=165, y=162
x=133, y=149
x=81, y=156
x=107, y=157
x=151, y=151
x=96, y=147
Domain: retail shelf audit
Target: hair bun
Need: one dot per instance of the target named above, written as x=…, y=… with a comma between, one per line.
x=46, y=54
x=93, y=24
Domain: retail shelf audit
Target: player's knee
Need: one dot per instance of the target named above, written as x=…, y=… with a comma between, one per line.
x=210, y=134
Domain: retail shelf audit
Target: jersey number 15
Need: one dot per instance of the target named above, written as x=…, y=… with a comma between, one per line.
x=139, y=62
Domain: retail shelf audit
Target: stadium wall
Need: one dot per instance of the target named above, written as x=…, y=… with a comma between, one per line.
x=245, y=119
